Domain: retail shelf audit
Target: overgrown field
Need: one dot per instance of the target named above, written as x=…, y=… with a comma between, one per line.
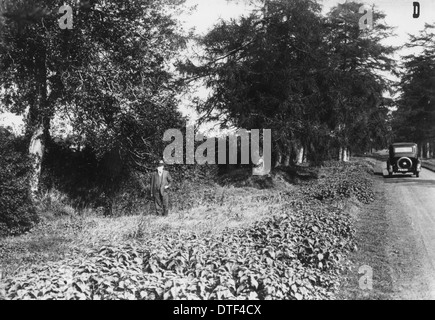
x=283, y=242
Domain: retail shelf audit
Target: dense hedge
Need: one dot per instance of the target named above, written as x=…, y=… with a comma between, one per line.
x=17, y=213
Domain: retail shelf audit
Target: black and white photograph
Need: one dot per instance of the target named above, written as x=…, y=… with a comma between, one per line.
x=215, y=154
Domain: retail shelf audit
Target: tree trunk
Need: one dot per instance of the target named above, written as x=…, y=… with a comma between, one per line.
x=300, y=155
x=36, y=151
x=427, y=150
x=39, y=121
x=305, y=153
x=278, y=159
x=344, y=154
x=345, y=158
x=287, y=160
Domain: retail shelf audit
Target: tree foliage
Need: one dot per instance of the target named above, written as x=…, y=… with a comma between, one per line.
x=314, y=80
x=358, y=66
x=109, y=76
x=415, y=117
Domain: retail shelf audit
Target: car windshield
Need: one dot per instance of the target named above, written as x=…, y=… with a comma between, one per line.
x=403, y=149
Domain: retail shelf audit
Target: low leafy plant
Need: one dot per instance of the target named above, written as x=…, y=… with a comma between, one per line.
x=298, y=252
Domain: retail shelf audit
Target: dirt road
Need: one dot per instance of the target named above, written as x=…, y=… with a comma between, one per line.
x=410, y=238
x=396, y=237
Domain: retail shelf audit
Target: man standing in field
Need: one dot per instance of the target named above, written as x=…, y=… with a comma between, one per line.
x=160, y=183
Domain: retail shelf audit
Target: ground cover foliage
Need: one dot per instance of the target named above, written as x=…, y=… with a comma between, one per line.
x=298, y=251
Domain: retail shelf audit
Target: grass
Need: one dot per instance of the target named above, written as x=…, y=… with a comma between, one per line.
x=429, y=164
x=201, y=211
x=372, y=228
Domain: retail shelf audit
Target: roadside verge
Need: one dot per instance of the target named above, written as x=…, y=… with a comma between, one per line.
x=429, y=164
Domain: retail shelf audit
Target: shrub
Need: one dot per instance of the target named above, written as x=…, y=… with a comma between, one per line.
x=17, y=213
x=344, y=181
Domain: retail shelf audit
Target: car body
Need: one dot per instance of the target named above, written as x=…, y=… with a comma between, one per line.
x=403, y=158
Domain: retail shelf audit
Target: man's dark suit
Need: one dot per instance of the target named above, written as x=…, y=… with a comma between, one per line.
x=159, y=192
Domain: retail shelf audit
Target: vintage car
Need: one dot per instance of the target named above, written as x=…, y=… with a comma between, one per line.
x=403, y=158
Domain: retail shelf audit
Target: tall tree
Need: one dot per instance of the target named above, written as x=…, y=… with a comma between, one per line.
x=415, y=117
x=261, y=69
x=357, y=78
x=313, y=80
x=108, y=73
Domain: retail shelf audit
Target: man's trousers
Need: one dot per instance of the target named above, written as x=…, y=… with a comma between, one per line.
x=162, y=203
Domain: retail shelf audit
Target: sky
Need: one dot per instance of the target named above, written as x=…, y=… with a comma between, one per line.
x=399, y=13
x=208, y=12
